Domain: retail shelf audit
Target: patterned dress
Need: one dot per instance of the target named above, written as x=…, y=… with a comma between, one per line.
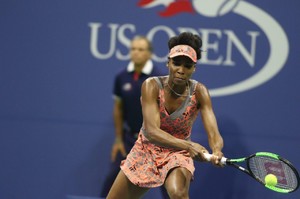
x=147, y=165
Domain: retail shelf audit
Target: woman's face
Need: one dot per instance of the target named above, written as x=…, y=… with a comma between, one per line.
x=181, y=69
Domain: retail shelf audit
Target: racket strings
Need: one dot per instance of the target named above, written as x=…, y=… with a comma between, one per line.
x=261, y=166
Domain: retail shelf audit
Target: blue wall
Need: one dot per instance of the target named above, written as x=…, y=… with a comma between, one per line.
x=57, y=64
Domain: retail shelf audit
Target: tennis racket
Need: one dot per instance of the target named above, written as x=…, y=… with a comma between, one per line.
x=263, y=163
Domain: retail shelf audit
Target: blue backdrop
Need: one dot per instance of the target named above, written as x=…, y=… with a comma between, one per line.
x=57, y=64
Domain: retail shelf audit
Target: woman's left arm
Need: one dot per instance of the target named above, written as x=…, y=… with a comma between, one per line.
x=209, y=121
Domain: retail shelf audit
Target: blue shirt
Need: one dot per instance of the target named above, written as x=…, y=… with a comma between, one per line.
x=129, y=91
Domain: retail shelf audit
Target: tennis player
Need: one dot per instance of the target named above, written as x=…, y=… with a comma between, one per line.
x=163, y=153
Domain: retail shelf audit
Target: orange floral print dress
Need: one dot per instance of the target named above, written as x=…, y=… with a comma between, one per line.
x=147, y=165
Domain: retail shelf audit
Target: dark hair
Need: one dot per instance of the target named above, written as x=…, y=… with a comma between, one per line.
x=150, y=47
x=187, y=38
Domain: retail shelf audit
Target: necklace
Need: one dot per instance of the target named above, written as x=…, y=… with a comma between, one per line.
x=180, y=95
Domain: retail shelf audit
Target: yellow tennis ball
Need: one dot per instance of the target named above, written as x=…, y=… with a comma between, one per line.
x=271, y=180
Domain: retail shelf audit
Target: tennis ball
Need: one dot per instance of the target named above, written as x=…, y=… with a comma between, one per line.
x=271, y=180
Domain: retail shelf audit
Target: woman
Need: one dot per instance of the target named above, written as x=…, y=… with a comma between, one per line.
x=163, y=153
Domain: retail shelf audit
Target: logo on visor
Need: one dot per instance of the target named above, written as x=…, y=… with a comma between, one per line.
x=279, y=45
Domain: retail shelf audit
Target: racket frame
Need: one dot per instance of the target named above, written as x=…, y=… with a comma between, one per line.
x=233, y=163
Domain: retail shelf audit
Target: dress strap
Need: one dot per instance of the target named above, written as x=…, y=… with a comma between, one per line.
x=193, y=86
x=157, y=79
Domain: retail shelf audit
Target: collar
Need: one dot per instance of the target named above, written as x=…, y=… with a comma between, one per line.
x=147, y=69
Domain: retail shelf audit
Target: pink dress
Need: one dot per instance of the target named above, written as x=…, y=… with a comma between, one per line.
x=147, y=165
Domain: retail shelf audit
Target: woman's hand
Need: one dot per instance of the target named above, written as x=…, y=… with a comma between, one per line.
x=216, y=159
x=196, y=151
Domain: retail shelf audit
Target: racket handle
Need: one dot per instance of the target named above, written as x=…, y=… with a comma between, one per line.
x=208, y=157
